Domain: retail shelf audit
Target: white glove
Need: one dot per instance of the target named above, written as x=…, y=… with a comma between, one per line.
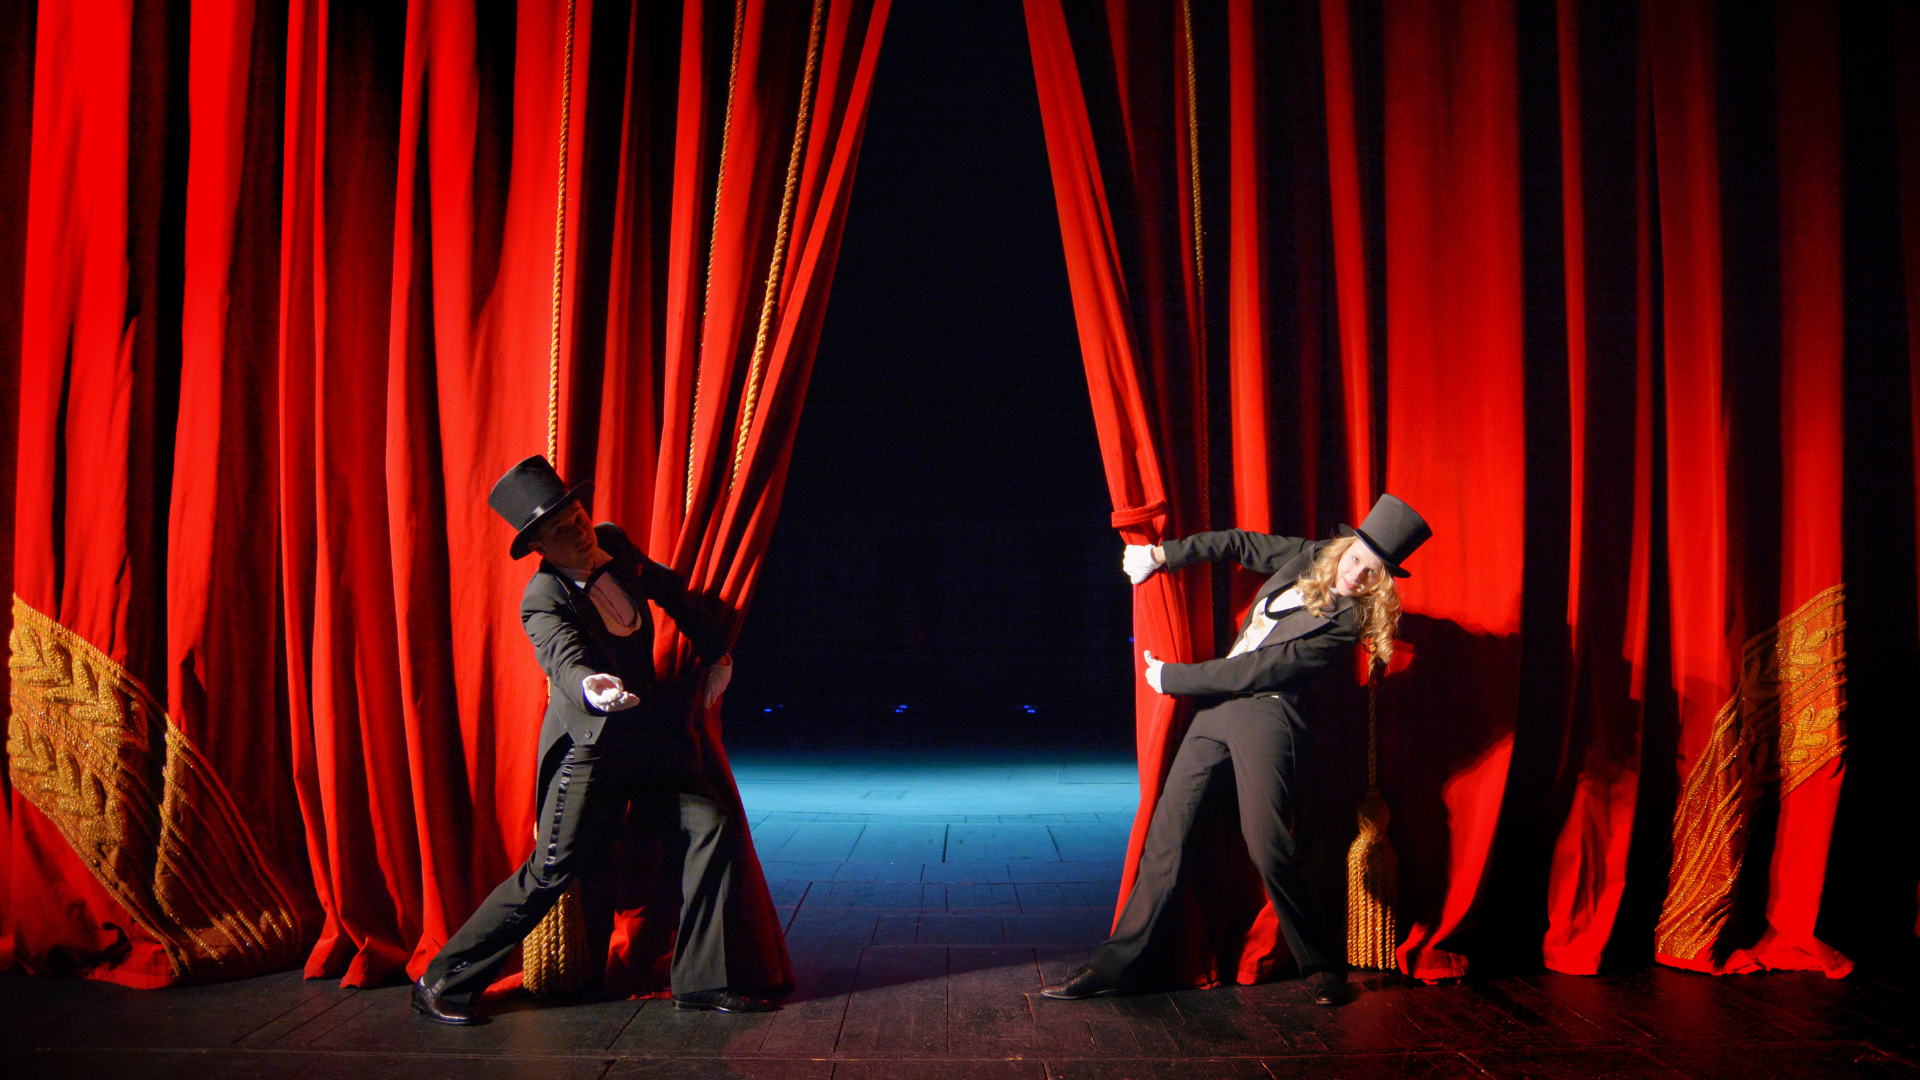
x=1140, y=561
x=607, y=693
x=718, y=676
x=1153, y=671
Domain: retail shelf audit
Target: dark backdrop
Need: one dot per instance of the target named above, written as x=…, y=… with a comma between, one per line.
x=944, y=542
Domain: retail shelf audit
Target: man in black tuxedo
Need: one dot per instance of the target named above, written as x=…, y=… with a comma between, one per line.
x=605, y=743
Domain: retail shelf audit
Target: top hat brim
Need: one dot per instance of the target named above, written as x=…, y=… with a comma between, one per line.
x=523, y=540
x=1393, y=568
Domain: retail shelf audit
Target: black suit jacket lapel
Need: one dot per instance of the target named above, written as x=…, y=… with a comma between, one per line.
x=1300, y=622
x=1281, y=581
x=584, y=613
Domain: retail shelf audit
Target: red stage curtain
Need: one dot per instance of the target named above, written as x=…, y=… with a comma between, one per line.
x=1810, y=764
x=1345, y=201
x=196, y=876
x=1142, y=340
x=1454, y=449
x=16, y=140
x=1907, y=126
x=262, y=586
x=1605, y=198
x=278, y=287
x=738, y=357
x=1757, y=654
x=1419, y=230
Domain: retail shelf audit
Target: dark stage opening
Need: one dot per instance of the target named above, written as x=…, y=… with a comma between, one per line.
x=943, y=568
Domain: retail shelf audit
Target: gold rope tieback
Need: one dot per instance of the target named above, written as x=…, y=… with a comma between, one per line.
x=1373, y=870
x=554, y=958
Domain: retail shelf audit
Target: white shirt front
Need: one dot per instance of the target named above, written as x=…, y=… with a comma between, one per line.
x=617, y=609
x=1263, y=620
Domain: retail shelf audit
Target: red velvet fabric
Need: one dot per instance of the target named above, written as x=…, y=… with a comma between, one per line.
x=301, y=563
x=1345, y=201
x=1419, y=234
x=92, y=340
x=1812, y=332
x=1145, y=373
x=275, y=288
x=1607, y=233
x=1907, y=126
x=17, y=41
x=1455, y=440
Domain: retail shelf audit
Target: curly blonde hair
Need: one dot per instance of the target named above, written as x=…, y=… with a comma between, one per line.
x=1379, y=603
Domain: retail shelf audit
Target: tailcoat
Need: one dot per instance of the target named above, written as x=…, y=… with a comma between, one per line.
x=1250, y=719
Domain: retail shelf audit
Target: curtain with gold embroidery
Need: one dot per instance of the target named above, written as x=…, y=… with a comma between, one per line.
x=286, y=276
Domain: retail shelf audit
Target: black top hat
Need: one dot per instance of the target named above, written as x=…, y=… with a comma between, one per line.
x=1393, y=531
x=529, y=494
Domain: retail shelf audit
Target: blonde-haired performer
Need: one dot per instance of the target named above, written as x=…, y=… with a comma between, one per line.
x=1323, y=597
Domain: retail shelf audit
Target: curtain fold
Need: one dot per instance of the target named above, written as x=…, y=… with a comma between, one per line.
x=283, y=284
x=791, y=126
x=1141, y=340
x=1455, y=450
x=1703, y=313
x=1907, y=151
x=1605, y=156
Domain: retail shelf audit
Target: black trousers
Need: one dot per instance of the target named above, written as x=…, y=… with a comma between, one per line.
x=1256, y=735
x=581, y=815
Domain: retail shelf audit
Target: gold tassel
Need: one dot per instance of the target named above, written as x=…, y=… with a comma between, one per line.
x=554, y=956
x=1373, y=870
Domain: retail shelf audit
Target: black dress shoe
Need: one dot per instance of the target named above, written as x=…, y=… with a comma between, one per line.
x=430, y=1005
x=1082, y=984
x=1330, y=988
x=722, y=1000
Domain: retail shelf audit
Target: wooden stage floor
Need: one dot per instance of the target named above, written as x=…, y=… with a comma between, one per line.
x=929, y=897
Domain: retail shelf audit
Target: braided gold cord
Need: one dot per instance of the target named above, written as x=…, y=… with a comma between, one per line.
x=782, y=234
x=1373, y=870
x=719, y=185
x=559, y=251
x=1193, y=156
x=553, y=957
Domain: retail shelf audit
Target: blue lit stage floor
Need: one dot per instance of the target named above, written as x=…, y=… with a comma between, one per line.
x=929, y=895
x=968, y=848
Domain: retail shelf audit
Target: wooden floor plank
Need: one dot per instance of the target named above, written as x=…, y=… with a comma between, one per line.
x=899, y=1004
x=819, y=841
x=1425, y=1065
x=969, y=1069
x=1090, y=841
x=1022, y=842
x=1784, y=1061
x=985, y=896
x=1569, y=1063
x=902, y=843
x=1159, y=1069
x=872, y=894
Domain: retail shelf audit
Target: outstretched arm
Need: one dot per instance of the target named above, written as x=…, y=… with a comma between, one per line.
x=1258, y=552
x=1271, y=667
